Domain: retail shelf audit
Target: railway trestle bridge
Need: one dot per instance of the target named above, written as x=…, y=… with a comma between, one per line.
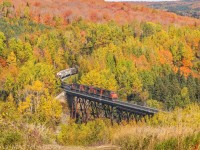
x=85, y=107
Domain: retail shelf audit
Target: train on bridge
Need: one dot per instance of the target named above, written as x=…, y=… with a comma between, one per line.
x=107, y=94
x=87, y=102
x=91, y=90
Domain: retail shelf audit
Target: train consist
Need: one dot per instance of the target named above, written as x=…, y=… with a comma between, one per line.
x=111, y=95
x=67, y=72
x=103, y=93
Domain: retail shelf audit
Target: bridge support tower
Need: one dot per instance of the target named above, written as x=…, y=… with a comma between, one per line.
x=83, y=110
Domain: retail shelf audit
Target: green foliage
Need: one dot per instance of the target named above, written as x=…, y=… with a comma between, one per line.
x=170, y=144
x=129, y=142
x=188, y=116
x=180, y=92
x=150, y=28
x=154, y=104
x=187, y=143
x=150, y=63
x=191, y=141
x=103, y=79
x=184, y=8
x=178, y=129
x=8, y=110
x=137, y=58
x=10, y=139
x=94, y=132
x=15, y=135
x=151, y=141
x=2, y=44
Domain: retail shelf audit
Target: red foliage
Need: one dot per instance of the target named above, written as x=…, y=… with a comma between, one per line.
x=185, y=70
x=99, y=11
x=93, y=16
x=106, y=16
x=67, y=13
x=47, y=19
x=142, y=63
x=187, y=63
x=37, y=4
x=165, y=57
x=3, y=62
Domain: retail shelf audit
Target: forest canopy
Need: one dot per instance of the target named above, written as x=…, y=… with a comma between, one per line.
x=141, y=61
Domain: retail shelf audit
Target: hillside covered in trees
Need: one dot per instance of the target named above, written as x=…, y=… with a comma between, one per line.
x=149, y=63
x=51, y=11
x=183, y=7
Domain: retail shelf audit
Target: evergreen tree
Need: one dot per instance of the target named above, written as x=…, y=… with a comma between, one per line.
x=191, y=84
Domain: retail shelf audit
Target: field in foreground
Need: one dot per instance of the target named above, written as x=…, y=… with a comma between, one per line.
x=179, y=129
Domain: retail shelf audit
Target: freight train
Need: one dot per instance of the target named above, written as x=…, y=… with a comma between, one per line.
x=111, y=95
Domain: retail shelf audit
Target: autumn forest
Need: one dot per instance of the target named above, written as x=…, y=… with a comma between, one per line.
x=149, y=57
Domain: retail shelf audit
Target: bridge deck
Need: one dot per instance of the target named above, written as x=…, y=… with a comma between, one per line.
x=133, y=108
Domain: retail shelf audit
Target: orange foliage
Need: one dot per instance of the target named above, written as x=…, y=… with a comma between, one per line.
x=165, y=57
x=83, y=36
x=93, y=16
x=142, y=62
x=67, y=13
x=185, y=70
x=106, y=16
x=38, y=53
x=37, y=4
x=47, y=19
x=13, y=70
x=187, y=63
x=99, y=10
x=175, y=69
x=2, y=62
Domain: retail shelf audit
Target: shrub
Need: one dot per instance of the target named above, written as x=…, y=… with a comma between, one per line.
x=23, y=136
x=170, y=144
x=10, y=138
x=156, y=138
x=191, y=141
x=94, y=132
x=127, y=142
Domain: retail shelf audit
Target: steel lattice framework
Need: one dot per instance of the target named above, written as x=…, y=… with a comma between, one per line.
x=84, y=107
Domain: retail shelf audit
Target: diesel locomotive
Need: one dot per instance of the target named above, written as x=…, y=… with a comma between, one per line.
x=67, y=72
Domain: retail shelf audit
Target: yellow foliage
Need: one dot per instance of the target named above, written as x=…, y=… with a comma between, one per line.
x=189, y=117
x=12, y=60
x=102, y=79
x=8, y=111
x=23, y=106
x=154, y=104
x=50, y=109
x=37, y=86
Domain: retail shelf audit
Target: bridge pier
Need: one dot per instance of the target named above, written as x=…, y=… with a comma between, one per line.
x=83, y=110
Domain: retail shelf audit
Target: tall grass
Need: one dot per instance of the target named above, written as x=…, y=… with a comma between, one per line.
x=150, y=138
x=23, y=136
x=176, y=130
